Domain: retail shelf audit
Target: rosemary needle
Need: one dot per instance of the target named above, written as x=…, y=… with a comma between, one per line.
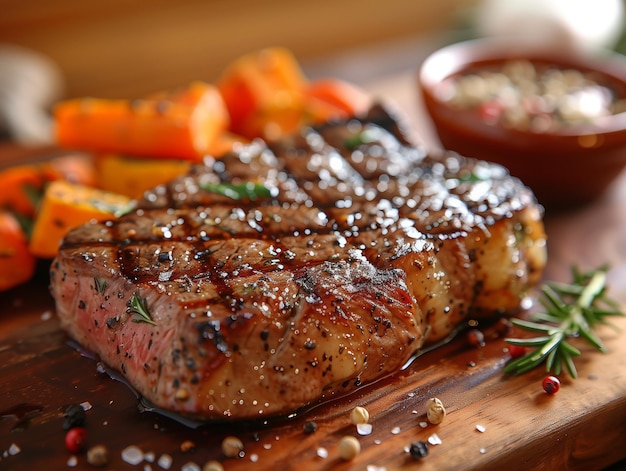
x=571, y=310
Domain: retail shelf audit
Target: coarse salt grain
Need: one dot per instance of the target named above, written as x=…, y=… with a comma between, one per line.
x=480, y=428
x=372, y=467
x=364, y=429
x=423, y=424
x=147, y=467
x=149, y=457
x=165, y=461
x=86, y=405
x=14, y=449
x=254, y=457
x=434, y=439
x=483, y=451
x=72, y=461
x=46, y=316
x=395, y=430
x=132, y=455
x=322, y=452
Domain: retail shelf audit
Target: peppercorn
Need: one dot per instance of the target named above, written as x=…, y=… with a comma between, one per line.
x=551, y=384
x=309, y=427
x=213, y=466
x=74, y=417
x=418, y=450
x=349, y=447
x=75, y=439
x=98, y=456
x=516, y=351
x=476, y=338
x=187, y=446
x=232, y=446
x=359, y=415
x=435, y=412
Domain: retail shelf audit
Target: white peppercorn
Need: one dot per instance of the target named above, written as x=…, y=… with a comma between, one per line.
x=98, y=456
x=349, y=447
x=213, y=466
x=232, y=446
x=359, y=415
x=435, y=412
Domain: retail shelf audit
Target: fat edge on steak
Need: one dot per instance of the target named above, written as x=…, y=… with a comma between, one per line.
x=349, y=251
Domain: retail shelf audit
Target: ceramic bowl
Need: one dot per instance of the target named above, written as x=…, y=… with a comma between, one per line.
x=566, y=165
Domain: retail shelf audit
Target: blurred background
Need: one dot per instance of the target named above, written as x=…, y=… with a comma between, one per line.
x=128, y=48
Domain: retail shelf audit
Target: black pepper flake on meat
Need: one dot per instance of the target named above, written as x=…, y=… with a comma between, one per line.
x=210, y=330
x=164, y=257
x=82, y=304
x=309, y=345
x=309, y=427
x=112, y=322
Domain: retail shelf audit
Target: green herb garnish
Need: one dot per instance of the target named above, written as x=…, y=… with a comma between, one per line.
x=246, y=190
x=100, y=284
x=571, y=310
x=138, y=308
x=360, y=138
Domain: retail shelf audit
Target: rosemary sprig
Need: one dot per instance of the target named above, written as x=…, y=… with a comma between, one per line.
x=138, y=308
x=571, y=310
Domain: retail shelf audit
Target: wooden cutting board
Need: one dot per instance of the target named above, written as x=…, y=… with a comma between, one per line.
x=581, y=427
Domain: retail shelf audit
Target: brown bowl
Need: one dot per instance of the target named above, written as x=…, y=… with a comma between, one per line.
x=566, y=166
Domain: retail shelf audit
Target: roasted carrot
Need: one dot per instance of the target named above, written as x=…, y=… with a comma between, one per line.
x=329, y=98
x=259, y=82
x=66, y=205
x=183, y=125
x=17, y=264
x=20, y=187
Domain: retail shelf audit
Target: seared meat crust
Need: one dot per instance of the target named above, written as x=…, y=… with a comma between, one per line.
x=349, y=250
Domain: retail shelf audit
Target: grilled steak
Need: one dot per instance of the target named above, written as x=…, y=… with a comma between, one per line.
x=292, y=271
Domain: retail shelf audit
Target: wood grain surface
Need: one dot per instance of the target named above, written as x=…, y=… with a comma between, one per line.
x=583, y=427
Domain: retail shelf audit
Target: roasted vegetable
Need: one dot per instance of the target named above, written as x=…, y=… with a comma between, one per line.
x=22, y=185
x=263, y=87
x=131, y=176
x=66, y=205
x=330, y=98
x=182, y=125
x=17, y=264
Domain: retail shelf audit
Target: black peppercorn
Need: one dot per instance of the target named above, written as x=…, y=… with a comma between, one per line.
x=309, y=427
x=418, y=450
x=74, y=417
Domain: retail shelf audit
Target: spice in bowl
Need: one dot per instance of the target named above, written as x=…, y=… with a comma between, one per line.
x=530, y=96
x=554, y=118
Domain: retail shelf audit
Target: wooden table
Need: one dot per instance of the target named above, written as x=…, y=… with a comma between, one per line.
x=582, y=427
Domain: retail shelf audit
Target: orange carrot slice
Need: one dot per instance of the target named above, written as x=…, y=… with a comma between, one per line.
x=183, y=125
x=331, y=98
x=258, y=82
